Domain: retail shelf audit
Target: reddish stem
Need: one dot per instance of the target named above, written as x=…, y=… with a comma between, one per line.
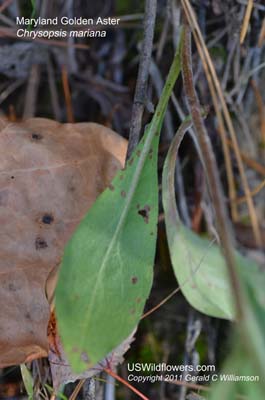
x=118, y=378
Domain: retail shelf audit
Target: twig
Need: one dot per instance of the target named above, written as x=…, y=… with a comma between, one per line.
x=110, y=388
x=254, y=192
x=32, y=92
x=77, y=389
x=256, y=5
x=259, y=168
x=67, y=95
x=193, y=331
x=72, y=63
x=262, y=33
x=143, y=73
x=246, y=21
x=53, y=91
x=261, y=110
x=10, y=89
x=213, y=176
x=165, y=300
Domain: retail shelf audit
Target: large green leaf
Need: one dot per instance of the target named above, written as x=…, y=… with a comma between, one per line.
x=107, y=268
x=199, y=265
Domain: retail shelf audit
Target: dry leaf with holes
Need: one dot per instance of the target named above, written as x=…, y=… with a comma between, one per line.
x=50, y=174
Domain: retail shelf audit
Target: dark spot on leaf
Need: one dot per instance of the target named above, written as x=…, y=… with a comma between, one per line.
x=134, y=280
x=132, y=311
x=27, y=315
x=138, y=206
x=150, y=157
x=150, y=152
x=111, y=187
x=12, y=287
x=138, y=300
x=75, y=350
x=152, y=233
x=157, y=133
x=71, y=188
x=144, y=212
x=121, y=177
x=36, y=136
x=40, y=243
x=131, y=161
x=123, y=193
x=47, y=219
x=12, y=177
x=138, y=153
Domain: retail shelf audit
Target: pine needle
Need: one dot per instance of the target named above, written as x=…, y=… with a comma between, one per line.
x=246, y=20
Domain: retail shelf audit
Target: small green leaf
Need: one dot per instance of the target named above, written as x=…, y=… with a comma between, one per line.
x=199, y=266
x=107, y=268
x=27, y=380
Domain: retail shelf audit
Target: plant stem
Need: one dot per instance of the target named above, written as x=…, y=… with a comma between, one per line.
x=143, y=73
x=212, y=172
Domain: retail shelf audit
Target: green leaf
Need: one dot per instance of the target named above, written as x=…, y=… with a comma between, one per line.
x=27, y=380
x=238, y=377
x=107, y=268
x=198, y=265
x=253, y=325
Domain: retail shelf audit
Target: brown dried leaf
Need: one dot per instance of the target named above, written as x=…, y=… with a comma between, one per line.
x=50, y=174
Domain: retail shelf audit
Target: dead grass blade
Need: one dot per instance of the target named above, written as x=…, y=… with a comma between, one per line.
x=246, y=20
x=262, y=34
x=261, y=110
x=254, y=192
x=67, y=95
x=259, y=168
